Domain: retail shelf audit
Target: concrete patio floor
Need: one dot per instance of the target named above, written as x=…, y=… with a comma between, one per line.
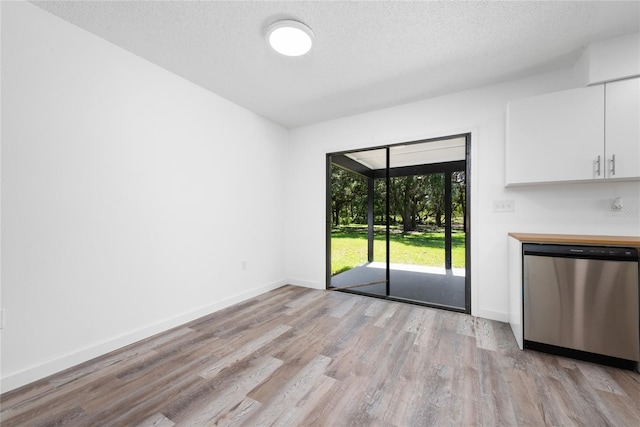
x=432, y=285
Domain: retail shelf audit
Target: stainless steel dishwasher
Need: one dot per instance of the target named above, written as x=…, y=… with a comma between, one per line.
x=582, y=302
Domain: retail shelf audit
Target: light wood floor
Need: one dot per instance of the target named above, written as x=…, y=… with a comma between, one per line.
x=297, y=356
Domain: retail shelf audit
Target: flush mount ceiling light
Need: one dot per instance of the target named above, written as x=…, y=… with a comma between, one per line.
x=290, y=38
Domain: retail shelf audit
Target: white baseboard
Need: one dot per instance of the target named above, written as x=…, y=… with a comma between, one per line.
x=492, y=315
x=306, y=284
x=44, y=370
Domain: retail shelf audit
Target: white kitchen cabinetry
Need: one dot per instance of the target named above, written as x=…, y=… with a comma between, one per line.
x=590, y=133
x=515, y=290
x=622, y=129
x=556, y=137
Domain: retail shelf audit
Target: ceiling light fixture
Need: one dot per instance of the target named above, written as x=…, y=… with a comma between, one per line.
x=290, y=38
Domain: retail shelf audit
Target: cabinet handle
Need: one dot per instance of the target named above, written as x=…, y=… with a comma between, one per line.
x=613, y=165
x=597, y=163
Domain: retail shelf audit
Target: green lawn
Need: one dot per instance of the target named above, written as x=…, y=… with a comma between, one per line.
x=349, y=249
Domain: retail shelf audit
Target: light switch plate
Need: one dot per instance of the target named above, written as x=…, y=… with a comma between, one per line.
x=504, y=205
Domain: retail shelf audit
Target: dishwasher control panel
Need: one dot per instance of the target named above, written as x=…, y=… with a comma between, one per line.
x=598, y=252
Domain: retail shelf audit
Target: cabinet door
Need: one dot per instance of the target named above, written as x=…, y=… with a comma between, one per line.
x=556, y=137
x=622, y=135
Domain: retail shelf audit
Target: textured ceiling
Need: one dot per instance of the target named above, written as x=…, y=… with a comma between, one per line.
x=367, y=55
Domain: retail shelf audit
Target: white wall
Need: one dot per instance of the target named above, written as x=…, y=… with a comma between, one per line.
x=575, y=208
x=129, y=197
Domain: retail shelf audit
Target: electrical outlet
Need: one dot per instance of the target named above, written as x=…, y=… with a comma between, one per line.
x=504, y=205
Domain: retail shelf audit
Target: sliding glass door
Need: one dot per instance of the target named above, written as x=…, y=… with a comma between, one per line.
x=398, y=222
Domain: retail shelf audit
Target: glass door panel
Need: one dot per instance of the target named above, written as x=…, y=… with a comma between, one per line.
x=358, y=215
x=422, y=219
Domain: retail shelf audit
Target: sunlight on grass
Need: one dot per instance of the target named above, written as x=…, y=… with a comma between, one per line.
x=349, y=249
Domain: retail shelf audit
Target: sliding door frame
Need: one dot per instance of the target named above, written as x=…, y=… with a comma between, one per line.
x=387, y=176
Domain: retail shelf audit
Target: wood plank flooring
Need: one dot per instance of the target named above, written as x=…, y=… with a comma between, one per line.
x=296, y=356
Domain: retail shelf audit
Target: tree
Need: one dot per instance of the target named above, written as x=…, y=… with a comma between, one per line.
x=348, y=196
x=414, y=198
x=410, y=191
x=434, y=197
x=458, y=196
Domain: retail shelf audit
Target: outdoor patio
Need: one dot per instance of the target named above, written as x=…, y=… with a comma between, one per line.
x=432, y=285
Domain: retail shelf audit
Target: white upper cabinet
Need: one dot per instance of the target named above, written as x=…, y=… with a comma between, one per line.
x=622, y=129
x=556, y=137
x=589, y=133
x=611, y=60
